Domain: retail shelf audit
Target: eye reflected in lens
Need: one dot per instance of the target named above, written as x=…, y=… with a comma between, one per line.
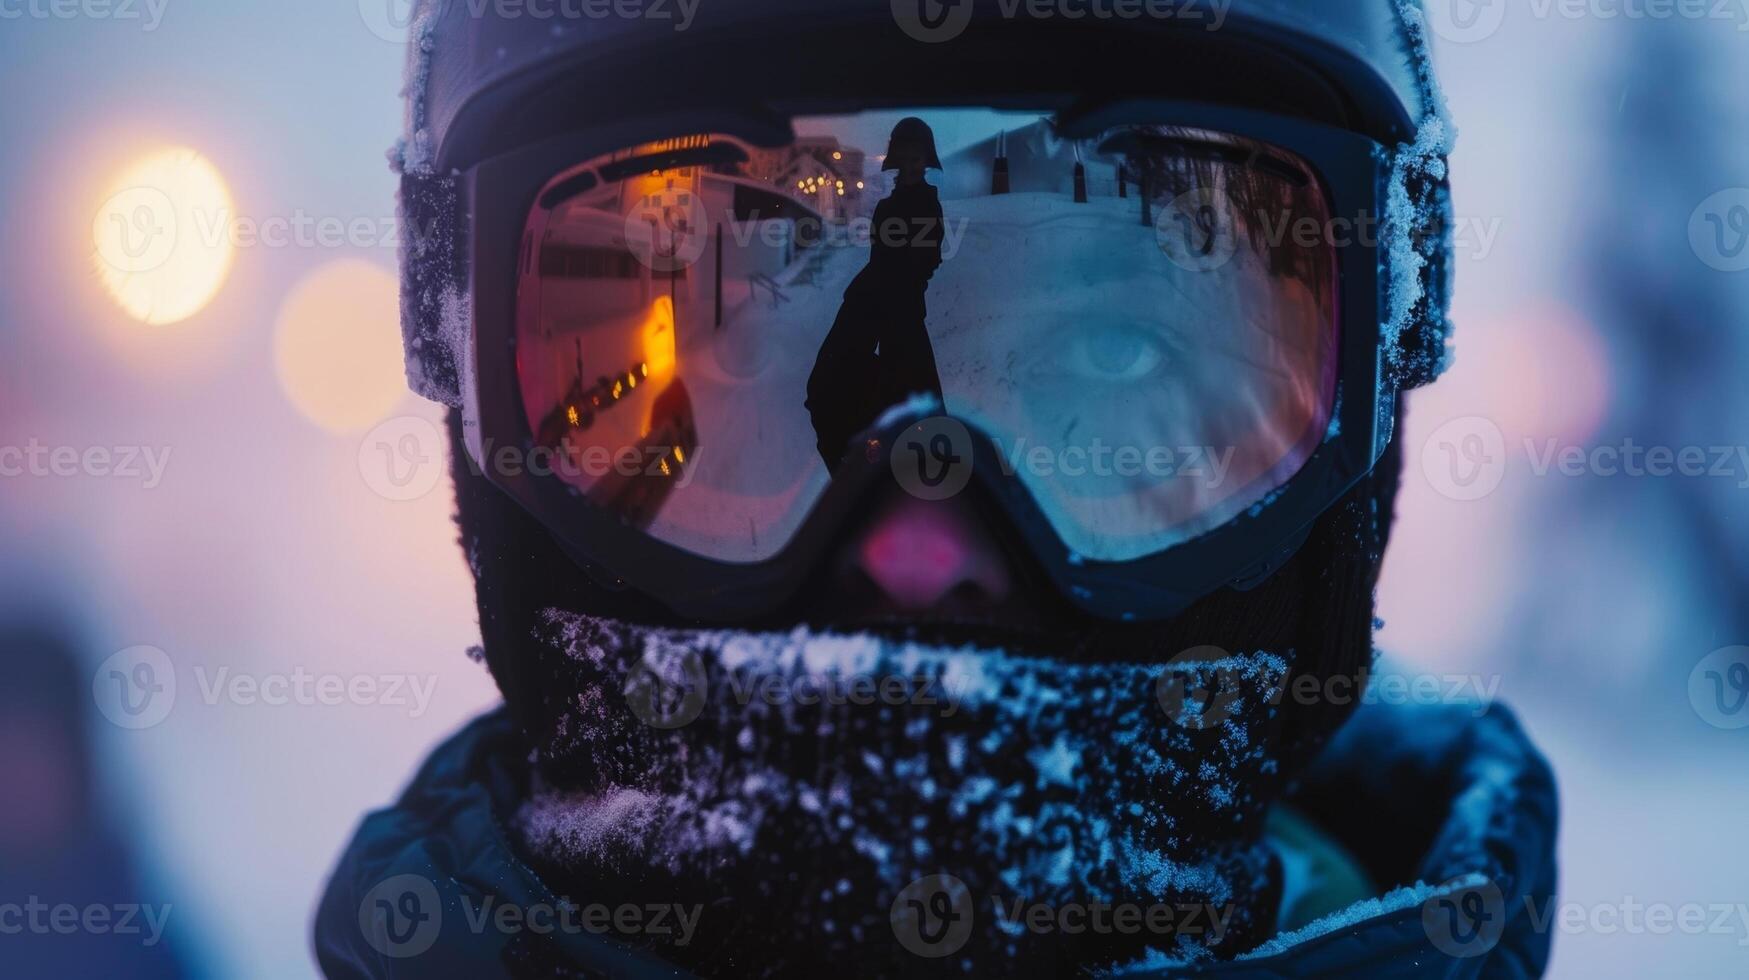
x=1142, y=397
x=1112, y=354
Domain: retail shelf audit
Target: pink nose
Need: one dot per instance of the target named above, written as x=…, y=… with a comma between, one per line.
x=920, y=552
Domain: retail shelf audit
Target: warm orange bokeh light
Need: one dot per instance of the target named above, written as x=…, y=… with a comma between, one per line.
x=659, y=352
x=162, y=234
x=337, y=345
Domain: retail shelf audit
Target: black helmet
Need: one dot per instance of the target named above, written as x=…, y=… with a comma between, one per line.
x=483, y=83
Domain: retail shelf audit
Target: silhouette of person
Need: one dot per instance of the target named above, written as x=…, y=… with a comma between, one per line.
x=878, y=353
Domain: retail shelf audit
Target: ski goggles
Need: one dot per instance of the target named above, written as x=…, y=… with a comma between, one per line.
x=1150, y=334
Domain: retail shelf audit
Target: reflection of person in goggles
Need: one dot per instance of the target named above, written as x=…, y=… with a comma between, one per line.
x=878, y=352
x=924, y=538
x=1121, y=298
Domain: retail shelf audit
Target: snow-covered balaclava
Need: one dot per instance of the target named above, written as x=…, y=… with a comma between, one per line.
x=902, y=798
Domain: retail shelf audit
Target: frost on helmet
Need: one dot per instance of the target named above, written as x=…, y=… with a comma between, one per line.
x=413, y=153
x=436, y=312
x=1416, y=240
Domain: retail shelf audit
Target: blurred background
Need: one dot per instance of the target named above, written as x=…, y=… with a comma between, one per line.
x=226, y=632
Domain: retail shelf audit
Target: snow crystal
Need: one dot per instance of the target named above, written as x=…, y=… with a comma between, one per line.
x=876, y=850
x=414, y=153
x=1155, y=961
x=1268, y=501
x=1161, y=875
x=1060, y=867
x=1410, y=213
x=1055, y=764
x=591, y=825
x=956, y=751
x=436, y=315
x=1395, y=900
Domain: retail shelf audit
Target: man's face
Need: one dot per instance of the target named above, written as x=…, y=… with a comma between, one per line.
x=928, y=698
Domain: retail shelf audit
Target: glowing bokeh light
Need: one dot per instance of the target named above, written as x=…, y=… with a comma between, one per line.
x=337, y=345
x=659, y=347
x=162, y=236
x=1547, y=374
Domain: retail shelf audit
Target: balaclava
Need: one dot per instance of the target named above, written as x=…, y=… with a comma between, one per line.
x=805, y=784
